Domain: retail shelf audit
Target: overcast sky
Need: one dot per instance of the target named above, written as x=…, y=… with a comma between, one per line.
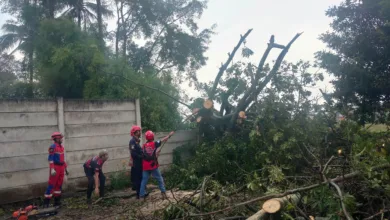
x=283, y=18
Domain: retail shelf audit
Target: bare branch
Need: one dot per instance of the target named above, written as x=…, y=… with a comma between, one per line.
x=224, y=66
x=272, y=73
x=254, y=91
x=347, y=215
x=377, y=214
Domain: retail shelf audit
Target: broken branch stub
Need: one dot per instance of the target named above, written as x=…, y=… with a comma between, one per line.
x=208, y=104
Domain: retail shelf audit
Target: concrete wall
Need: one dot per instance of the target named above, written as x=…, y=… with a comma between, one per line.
x=88, y=126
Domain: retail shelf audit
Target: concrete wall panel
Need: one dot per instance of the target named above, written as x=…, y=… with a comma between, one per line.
x=79, y=157
x=15, y=164
x=90, y=130
x=97, y=142
x=28, y=119
x=98, y=105
x=24, y=148
x=26, y=133
x=75, y=118
x=28, y=106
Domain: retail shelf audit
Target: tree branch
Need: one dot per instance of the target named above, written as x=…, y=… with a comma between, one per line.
x=272, y=73
x=292, y=191
x=225, y=66
x=347, y=215
x=377, y=214
x=252, y=93
x=155, y=89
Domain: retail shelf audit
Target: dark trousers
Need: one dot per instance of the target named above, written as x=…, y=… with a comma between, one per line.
x=136, y=178
x=102, y=180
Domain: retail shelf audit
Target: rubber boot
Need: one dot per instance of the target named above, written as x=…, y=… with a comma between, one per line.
x=57, y=201
x=46, y=203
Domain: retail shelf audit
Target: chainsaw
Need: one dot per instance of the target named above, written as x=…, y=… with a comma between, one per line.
x=32, y=212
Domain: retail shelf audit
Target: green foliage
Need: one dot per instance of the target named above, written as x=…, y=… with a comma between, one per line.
x=120, y=179
x=359, y=44
x=66, y=58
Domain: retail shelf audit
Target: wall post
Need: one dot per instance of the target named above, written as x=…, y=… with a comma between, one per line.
x=61, y=120
x=138, y=115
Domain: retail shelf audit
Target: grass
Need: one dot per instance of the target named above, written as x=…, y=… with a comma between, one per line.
x=376, y=127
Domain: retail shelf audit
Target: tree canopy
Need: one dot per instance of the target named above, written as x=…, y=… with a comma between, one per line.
x=358, y=56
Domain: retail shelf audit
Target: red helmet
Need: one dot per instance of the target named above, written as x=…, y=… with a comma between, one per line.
x=56, y=135
x=134, y=129
x=149, y=135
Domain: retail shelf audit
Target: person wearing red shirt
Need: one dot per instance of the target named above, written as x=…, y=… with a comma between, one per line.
x=150, y=163
x=93, y=171
x=57, y=170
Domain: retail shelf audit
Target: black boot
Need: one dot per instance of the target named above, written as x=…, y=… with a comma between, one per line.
x=57, y=201
x=46, y=203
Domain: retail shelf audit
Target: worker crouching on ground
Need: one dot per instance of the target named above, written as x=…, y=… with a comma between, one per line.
x=57, y=170
x=150, y=163
x=94, y=173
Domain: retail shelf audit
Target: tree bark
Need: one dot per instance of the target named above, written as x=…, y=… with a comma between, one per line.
x=100, y=22
x=124, y=33
x=117, y=29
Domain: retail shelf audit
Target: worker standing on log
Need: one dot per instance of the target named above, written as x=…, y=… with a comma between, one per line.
x=58, y=168
x=93, y=171
x=136, y=158
x=150, y=163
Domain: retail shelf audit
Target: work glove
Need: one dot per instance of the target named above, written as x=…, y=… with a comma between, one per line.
x=53, y=172
x=66, y=172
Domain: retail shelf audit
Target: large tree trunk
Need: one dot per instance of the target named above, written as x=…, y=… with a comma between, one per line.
x=124, y=34
x=100, y=22
x=118, y=25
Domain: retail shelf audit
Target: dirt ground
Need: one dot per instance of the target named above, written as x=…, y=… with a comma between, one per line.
x=116, y=207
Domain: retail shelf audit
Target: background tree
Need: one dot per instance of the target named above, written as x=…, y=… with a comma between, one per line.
x=358, y=56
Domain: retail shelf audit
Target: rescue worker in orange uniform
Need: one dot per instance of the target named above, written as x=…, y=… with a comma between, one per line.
x=58, y=168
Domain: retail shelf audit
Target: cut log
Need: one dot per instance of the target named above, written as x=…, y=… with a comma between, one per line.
x=208, y=104
x=272, y=206
x=242, y=115
x=276, y=204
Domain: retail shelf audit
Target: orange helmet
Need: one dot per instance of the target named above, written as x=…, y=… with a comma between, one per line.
x=134, y=129
x=56, y=135
x=149, y=135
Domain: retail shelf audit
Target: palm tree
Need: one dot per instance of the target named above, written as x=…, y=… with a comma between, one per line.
x=86, y=11
x=20, y=36
x=100, y=21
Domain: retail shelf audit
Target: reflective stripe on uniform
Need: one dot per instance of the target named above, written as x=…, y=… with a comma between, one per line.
x=57, y=192
x=48, y=196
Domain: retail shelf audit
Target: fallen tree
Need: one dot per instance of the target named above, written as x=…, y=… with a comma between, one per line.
x=293, y=191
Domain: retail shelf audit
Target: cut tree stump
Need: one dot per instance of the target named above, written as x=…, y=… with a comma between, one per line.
x=272, y=207
x=208, y=104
